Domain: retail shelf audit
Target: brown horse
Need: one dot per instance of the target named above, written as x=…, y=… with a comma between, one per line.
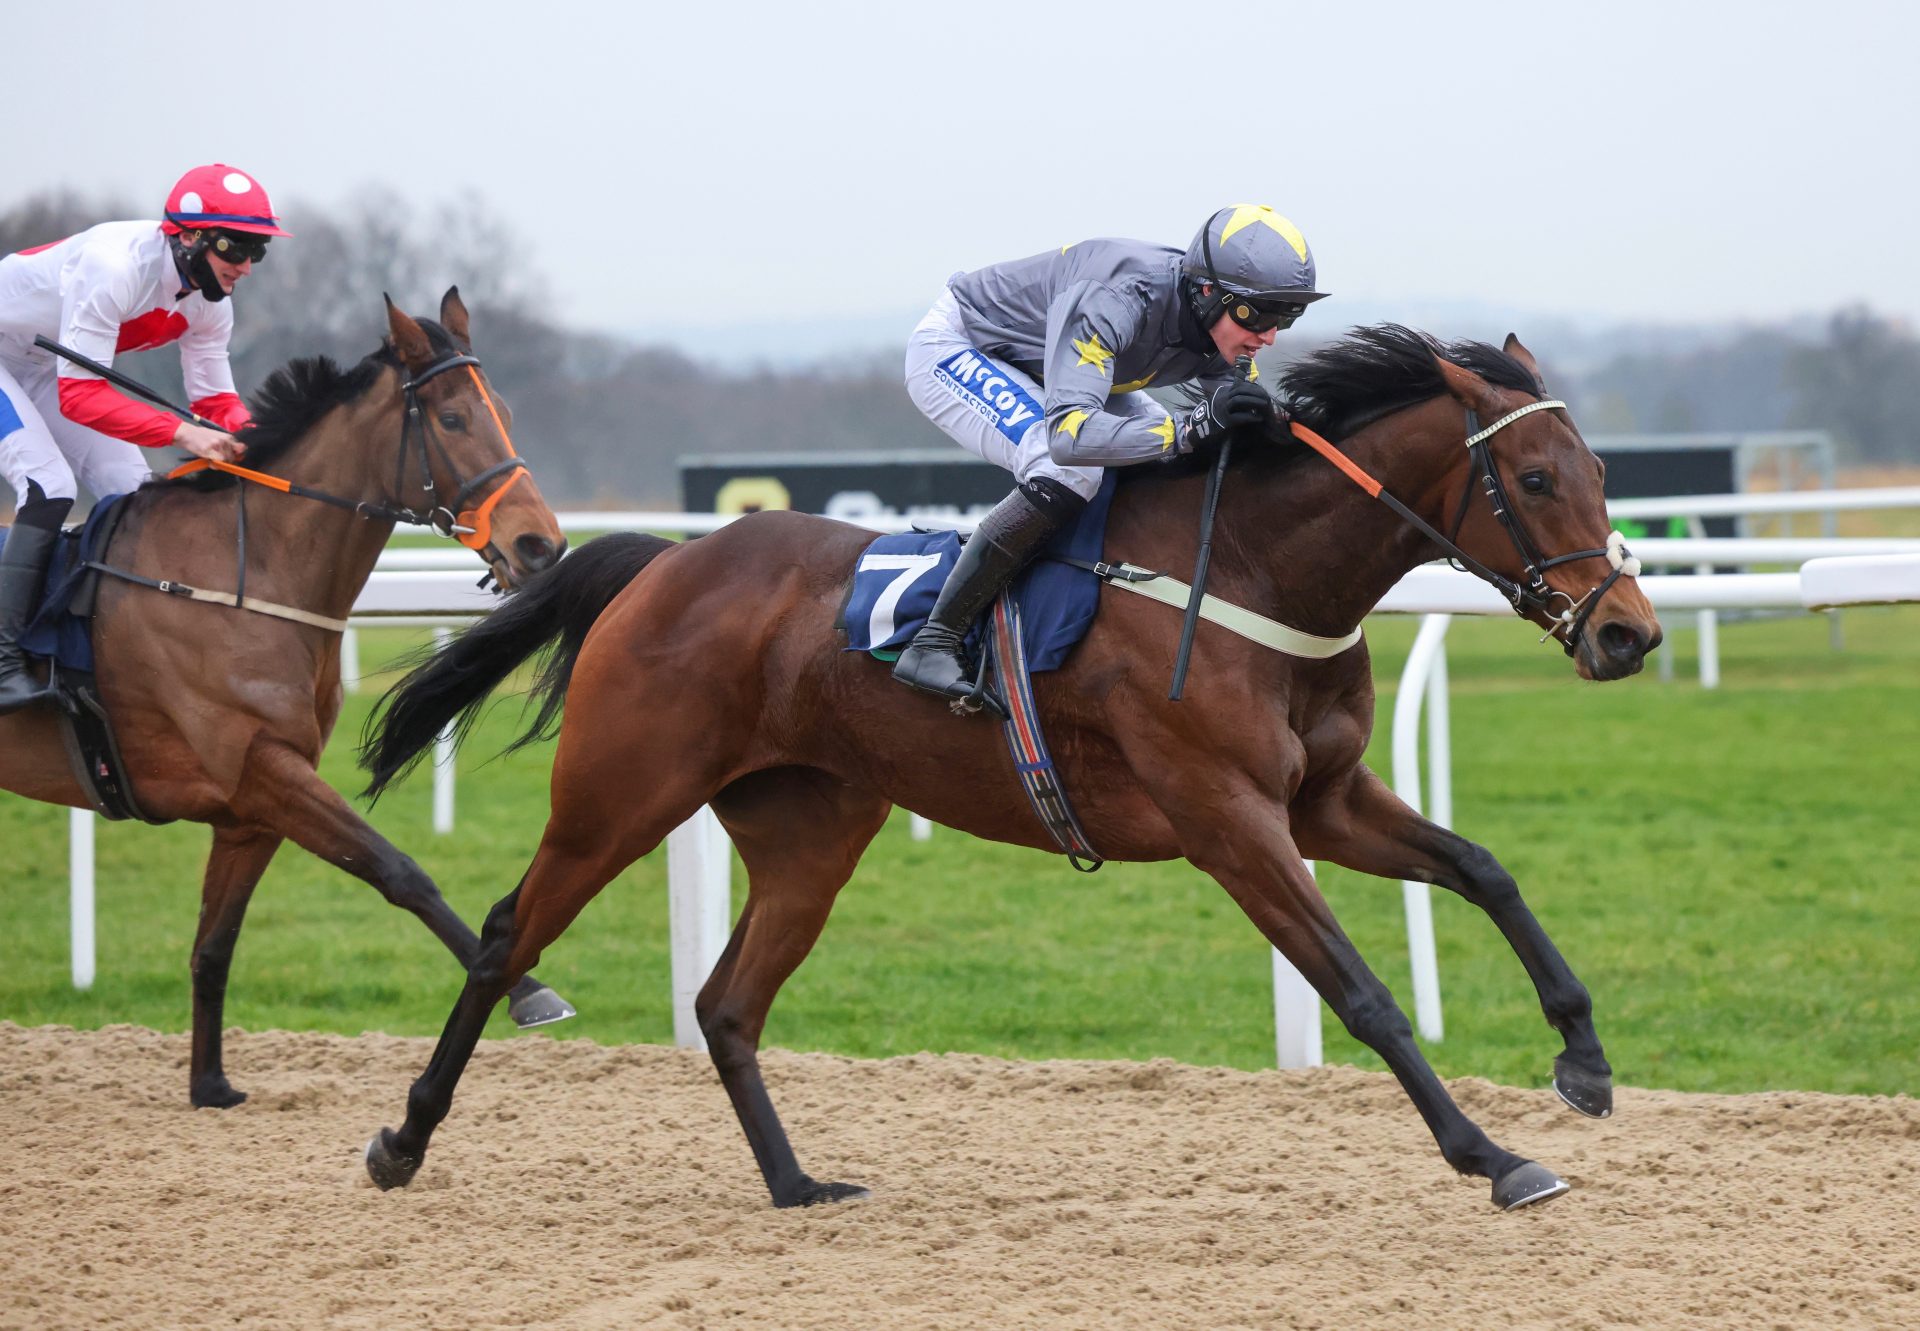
x=710, y=672
x=221, y=714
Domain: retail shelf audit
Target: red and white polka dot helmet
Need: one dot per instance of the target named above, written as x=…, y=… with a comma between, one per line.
x=220, y=196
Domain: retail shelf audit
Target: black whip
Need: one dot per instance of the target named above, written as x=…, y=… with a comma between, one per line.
x=120, y=380
x=1243, y=367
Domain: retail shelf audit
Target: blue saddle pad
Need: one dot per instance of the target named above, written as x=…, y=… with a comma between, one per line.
x=898, y=577
x=56, y=632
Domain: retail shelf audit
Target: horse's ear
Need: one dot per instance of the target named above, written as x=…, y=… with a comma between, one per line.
x=453, y=316
x=409, y=338
x=1513, y=348
x=1466, y=386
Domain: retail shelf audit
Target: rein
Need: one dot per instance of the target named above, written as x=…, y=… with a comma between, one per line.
x=1531, y=595
x=472, y=528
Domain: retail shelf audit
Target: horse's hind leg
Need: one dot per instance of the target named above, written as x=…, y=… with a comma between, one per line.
x=1366, y=827
x=239, y=857
x=284, y=793
x=800, y=832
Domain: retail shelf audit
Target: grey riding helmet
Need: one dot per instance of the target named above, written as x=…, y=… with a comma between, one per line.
x=1258, y=265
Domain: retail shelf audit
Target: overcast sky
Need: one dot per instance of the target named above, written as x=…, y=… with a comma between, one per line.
x=704, y=165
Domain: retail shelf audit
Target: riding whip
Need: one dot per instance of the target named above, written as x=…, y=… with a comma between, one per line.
x=1243, y=367
x=120, y=380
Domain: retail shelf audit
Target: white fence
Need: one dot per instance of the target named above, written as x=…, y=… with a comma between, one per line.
x=437, y=586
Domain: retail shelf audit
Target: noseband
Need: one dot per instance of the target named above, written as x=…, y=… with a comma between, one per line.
x=1533, y=594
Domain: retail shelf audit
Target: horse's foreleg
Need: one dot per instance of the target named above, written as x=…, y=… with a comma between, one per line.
x=283, y=792
x=239, y=857
x=800, y=833
x=1263, y=871
x=1366, y=827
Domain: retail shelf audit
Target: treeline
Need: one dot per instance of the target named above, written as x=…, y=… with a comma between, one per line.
x=606, y=421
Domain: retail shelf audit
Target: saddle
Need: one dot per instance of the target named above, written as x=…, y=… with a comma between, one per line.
x=1031, y=627
x=61, y=634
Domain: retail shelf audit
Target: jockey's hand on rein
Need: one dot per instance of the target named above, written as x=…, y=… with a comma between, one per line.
x=205, y=443
x=1233, y=405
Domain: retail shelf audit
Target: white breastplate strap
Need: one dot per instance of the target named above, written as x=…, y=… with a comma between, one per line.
x=1233, y=618
x=254, y=604
x=1512, y=416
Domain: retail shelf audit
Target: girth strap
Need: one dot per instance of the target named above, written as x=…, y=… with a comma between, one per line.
x=252, y=603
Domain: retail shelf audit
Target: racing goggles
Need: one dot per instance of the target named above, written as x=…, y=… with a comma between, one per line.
x=1263, y=316
x=238, y=247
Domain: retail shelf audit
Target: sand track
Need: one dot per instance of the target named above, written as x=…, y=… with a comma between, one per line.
x=581, y=1186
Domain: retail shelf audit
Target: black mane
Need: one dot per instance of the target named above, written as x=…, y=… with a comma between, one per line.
x=294, y=398
x=1373, y=372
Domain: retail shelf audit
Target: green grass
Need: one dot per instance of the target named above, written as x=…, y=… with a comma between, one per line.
x=1731, y=872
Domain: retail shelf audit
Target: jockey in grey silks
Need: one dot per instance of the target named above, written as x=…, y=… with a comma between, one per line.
x=1039, y=364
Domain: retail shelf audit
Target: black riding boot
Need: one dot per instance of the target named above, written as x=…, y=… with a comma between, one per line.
x=23, y=572
x=1003, y=542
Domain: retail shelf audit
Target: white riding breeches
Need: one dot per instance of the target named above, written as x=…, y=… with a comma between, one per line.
x=990, y=408
x=38, y=444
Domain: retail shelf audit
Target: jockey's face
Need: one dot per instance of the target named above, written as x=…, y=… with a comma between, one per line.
x=1232, y=340
x=228, y=275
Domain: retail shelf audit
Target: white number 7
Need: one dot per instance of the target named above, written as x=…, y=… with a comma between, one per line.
x=913, y=567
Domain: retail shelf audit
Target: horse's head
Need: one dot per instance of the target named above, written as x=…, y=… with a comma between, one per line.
x=1534, y=512
x=458, y=452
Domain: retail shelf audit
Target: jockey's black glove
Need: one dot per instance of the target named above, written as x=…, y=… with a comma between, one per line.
x=1234, y=405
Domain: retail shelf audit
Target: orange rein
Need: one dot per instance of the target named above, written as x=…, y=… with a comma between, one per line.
x=478, y=522
x=1346, y=464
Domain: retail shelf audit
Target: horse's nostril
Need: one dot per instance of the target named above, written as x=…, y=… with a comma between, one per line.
x=1621, y=642
x=536, y=552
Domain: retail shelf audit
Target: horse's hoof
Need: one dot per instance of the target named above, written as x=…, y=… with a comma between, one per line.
x=214, y=1093
x=1525, y=1184
x=387, y=1165
x=541, y=1007
x=824, y=1194
x=1590, y=1094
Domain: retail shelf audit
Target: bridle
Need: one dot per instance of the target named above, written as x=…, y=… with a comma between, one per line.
x=472, y=528
x=1531, y=594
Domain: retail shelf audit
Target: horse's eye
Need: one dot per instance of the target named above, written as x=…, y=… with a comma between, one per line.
x=1536, y=483
x=452, y=420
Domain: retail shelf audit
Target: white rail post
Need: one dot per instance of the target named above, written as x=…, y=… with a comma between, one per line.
x=1296, y=1014
x=80, y=894
x=350, y=660
x=443, y=772
x=1418, y=897
x=922, y=828
x=1708, y=620
x=699, y=909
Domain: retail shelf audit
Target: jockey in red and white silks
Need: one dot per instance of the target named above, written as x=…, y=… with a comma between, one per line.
x=118, y=286
x=124, y=286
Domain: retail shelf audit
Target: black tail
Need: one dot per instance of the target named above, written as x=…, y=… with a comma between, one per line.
x=552, y=612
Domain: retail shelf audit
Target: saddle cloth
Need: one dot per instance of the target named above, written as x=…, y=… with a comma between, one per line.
x=897, y=579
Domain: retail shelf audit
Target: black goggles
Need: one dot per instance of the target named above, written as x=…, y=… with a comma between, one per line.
x=237, y=247
x=1263, y=316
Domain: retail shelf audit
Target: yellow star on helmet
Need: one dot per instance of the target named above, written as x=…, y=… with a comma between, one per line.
x=1093, y=353
x=1071, y=425
x=1246, y=214
x=1164, y=431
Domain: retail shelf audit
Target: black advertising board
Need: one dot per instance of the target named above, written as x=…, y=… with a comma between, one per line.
x=951, y=483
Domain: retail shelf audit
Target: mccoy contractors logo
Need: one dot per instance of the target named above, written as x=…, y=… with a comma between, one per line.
x=987, y=389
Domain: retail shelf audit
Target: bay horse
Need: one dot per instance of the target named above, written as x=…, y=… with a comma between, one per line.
x=711, y=673
x=221, y=714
